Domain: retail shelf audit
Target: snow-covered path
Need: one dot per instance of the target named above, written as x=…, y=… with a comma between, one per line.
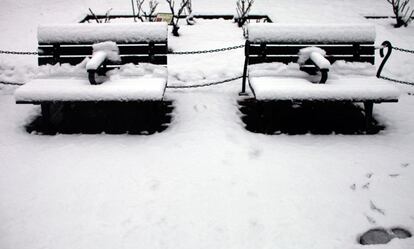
x=205, y=182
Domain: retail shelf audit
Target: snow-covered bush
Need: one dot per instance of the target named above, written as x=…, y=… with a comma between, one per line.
x=176, y=13
x=402, y=11
x=243, y=9
x=190, y=16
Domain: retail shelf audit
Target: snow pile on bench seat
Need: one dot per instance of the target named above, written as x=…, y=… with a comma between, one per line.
x=72, y=89
x=339, y=69
x=98, y=32
x=349, y=89
x=305, y=33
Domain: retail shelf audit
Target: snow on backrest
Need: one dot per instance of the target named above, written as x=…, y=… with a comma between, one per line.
x=98, y=32
x=302, y=33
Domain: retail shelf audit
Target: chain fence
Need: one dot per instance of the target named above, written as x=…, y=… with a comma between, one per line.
x=205, y=52
x=11, y=83
x=170, y=52
x=17, y=52
x=395, y=80
x=206, y=84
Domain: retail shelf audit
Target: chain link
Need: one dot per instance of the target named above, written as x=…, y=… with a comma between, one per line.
x=172, y=87
x=178, y=53
x=404, y=50
x=397, y=81
x=207, y=84
x=209, y=51
x=18, y=52
x=11, y=83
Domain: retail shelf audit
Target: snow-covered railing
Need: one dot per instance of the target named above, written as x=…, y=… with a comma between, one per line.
x=338, y=33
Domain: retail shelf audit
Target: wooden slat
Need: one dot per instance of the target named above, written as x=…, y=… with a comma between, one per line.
x=90, y=44
x=308, y=44
x=288, y=59
x=87, y=50
x=330, y=50
x=160, y=60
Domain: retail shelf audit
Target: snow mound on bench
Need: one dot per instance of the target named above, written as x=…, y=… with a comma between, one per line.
x=98, y=32
x=339, y=69
x=110, y=48
x=302, y=33
x=304, y=53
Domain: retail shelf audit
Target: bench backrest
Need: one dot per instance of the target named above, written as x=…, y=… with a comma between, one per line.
x=138, y=42
x=282, y=42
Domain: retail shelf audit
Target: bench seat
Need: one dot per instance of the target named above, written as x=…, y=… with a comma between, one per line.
x=358, y=89
x=80, y=90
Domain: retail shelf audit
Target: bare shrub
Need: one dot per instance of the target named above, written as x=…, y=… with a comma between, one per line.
x=402, y=12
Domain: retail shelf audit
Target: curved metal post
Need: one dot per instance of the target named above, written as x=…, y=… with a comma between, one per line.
x=91, y=77
x=324, y=77
x=385, y=44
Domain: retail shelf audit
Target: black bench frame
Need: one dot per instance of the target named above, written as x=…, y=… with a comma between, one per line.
x=154, y=52
x=287, y=52
x=74, y=53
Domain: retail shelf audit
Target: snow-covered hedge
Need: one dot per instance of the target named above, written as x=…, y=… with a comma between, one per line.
x=272, y=32
x=98, y=32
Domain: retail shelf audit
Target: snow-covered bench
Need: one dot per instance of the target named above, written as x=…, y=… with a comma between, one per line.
x=110, y=46
x=314, y=48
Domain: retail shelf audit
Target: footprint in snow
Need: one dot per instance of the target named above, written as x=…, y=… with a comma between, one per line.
x=370, y=219
x=405, y=165
x=382, y=236
x=376, y=209
x=255, y=153
x=366, y=185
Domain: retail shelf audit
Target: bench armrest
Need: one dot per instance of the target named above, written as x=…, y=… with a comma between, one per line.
x=322, y=65
x=97, y=60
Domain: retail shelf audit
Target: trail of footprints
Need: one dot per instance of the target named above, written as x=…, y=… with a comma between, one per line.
x=380, y=235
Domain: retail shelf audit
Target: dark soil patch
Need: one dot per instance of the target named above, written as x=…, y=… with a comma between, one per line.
x=112, y=118
x=315, y=118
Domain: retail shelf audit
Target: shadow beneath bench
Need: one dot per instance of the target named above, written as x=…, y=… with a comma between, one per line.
x=143, y=118
x=315, y=118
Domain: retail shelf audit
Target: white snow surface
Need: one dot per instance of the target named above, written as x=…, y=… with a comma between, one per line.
x=205, y=182
x=274, y=32
x=99, y=32
x=304, y=53
x=97, y=59
x=320, y=60
x=110, y=48
x=271, y=88
x=317, y=56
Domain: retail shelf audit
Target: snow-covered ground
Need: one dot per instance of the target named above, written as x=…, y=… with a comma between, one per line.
x=205, y=182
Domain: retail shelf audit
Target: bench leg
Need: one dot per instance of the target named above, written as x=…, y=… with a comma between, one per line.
x=368, y=107
x=52, y=115
x=45, y=112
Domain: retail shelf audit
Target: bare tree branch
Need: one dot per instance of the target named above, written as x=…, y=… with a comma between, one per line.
x=107, y=15
x=243, y=8
x=94, y=16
